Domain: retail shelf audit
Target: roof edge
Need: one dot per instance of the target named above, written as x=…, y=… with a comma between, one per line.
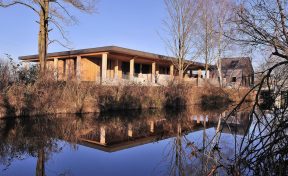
x=111, y=48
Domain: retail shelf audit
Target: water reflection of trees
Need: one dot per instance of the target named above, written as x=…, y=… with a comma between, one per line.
x=204, y=155
x=256, y=139
x=35, y=137
x=42, y=137
x=263, y=149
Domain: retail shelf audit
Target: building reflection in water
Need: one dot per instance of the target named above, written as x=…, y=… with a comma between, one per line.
x=38, y=137
x=117, y=133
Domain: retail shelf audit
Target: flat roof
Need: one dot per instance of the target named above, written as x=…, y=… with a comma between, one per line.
x=130, y=143
x=108, y=49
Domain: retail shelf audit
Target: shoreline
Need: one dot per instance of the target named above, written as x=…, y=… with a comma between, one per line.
x=74, y=98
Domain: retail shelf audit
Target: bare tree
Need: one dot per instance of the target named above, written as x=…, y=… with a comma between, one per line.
x=263, y=24
x=223, y=15
x=206, y=36
x=51, y=12
x=214, y=20
x=180, y=26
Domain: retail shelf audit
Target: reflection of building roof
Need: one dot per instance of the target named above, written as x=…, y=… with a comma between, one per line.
x=132, y=142
x=117, y=147
x=150, y=137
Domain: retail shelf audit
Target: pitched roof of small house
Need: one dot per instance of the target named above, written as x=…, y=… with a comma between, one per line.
x=243, y=63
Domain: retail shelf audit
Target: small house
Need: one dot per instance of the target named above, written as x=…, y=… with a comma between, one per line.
x=237, y=71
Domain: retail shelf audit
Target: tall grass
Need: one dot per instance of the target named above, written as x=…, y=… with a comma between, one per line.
x=25, y=93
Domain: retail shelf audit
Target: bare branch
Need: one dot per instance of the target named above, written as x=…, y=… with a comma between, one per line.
x=18, y=3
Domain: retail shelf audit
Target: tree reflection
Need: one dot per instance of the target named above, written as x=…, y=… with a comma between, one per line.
x=262, y=148
x=40, y=168
x=42, y=137
x=201, y=152
x=37, y=137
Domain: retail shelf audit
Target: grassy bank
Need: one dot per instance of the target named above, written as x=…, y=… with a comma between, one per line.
x=49, y=97
x=25, y=93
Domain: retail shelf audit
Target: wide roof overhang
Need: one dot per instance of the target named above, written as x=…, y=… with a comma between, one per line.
x=110, y=50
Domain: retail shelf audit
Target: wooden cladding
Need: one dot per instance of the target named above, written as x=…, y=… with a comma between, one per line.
x=103, y=68
x=90, y=69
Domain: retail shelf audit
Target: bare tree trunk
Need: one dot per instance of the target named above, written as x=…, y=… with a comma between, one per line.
x=219, y=64
x=181, y=22
x=219, y=71
x=40, y=168
x=213, y=42
x=43, y=34
x=206, y=39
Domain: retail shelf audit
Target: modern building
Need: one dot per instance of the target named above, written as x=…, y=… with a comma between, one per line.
x=113, y=64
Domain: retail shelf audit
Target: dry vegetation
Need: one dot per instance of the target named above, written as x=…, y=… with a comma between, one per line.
x=24, y=93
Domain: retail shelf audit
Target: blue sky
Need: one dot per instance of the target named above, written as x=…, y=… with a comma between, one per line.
x=134, y=24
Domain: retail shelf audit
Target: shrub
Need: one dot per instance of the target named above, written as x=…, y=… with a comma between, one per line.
x=177, y=95
x=13, y=73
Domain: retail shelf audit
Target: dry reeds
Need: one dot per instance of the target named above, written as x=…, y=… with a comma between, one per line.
x=25, y=93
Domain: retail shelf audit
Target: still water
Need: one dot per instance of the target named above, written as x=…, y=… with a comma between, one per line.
x=121, y=143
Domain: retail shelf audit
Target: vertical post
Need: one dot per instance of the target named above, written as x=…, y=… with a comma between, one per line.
x=56, y=68
x=152, y=126
x=130, y=130
x=153, y=72
x=102, y=135
x=104, y=67
x=179, y=128
x=208, y=74
x=171, y=71
x=78, y=68
x=198, y=119
x=199, y=76
x=67, y=72
x=131, y=72
x=116, y=68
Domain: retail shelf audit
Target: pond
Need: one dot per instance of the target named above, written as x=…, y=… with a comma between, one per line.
x=138, y=143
